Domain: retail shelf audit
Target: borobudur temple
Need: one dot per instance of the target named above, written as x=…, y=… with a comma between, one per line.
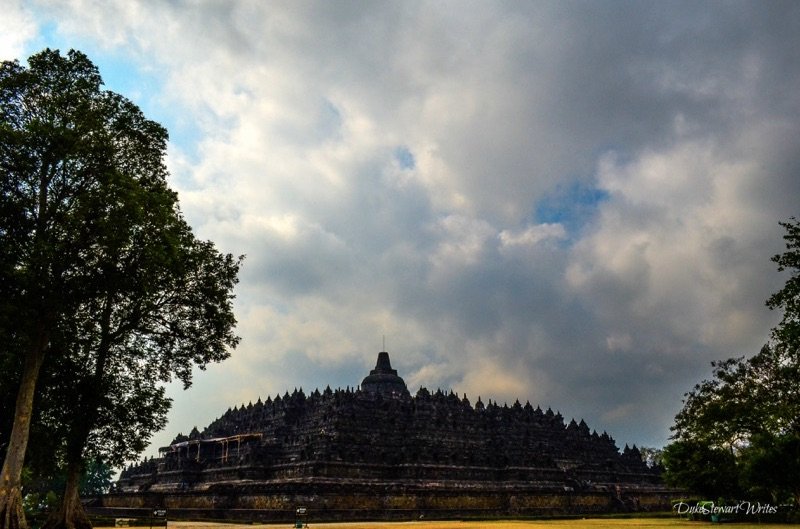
x=378, y=452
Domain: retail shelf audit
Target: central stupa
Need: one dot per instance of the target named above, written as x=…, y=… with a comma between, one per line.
x=383, y=379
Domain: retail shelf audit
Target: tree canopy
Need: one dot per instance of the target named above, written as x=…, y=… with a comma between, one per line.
x=738, y=433
x=107, y=293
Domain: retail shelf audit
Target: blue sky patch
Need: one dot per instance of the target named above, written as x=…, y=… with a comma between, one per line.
x=572, y=206
x=330, y=119
x=404, y=157
x=121, y=73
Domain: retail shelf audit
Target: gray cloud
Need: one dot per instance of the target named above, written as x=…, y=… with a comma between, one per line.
x=572, y=203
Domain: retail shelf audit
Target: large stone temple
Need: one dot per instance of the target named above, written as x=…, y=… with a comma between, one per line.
x=378, y=452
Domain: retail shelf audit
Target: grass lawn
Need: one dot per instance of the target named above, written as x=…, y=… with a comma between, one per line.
x=590, y=523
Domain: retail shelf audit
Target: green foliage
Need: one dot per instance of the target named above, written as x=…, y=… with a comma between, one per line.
x=653, y=457
x=40, y=486
x=742, y=427
x=787, y=333
x=771, y=466
x=43, y=491
x=708, y=471
x=719, y=412
x=98, y=263
x=38, y=503
x=97, y=478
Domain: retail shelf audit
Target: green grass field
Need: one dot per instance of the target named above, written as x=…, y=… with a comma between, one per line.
x=590, y=523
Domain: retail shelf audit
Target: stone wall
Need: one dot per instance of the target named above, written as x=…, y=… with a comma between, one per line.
x=384, y=501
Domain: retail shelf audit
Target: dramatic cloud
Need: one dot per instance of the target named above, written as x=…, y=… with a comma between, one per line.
x=569, y=203
x=17, y=26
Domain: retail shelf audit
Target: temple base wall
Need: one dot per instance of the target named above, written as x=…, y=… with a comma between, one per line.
x=351, y=501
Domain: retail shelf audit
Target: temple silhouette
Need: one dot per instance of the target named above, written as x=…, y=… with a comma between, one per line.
x=378, y=452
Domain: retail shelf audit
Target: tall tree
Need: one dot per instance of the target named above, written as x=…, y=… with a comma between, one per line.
x=161, y=305
x=50, y=166
x=107, y=281
x=750, y=409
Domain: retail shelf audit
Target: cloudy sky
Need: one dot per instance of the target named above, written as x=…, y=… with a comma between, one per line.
x=571, y=203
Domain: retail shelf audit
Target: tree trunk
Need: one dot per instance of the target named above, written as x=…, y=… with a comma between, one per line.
x=70, y=514
x=11, y=514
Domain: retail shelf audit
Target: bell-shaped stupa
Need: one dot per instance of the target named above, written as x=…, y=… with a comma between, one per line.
x=383, y=379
